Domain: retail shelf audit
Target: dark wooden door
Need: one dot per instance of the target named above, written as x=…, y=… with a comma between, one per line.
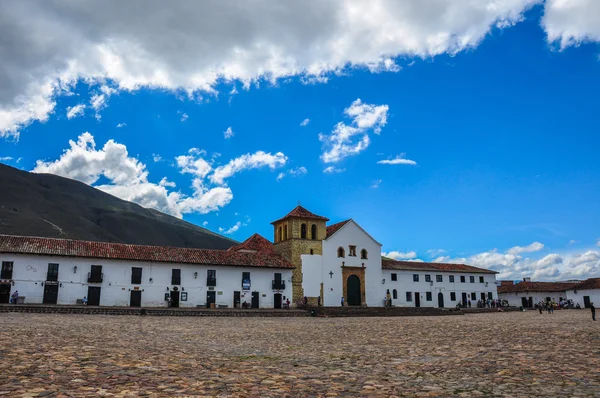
x=417, y=299
x=277, y=300
x=464, y=299
x=4, y=293
x=237, y=299
x=524, y=302
x=530, y=302
x=353, y=290
x=211, y=298
x=586, y=301
x=440, y=300
x=50, y=293
x=175, y=298
x=135, y=298
x=255, y=302
x=94, y=295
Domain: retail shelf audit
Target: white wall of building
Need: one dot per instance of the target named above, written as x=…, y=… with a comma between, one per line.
x=516, y=299
x=30, y=271
x=593, y=294
x=327, y=269
x=404, y=283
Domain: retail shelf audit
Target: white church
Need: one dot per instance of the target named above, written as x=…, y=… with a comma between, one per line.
x=328, y=265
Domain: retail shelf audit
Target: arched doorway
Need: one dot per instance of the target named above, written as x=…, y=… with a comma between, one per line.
x=440, y=300
x=353, y=290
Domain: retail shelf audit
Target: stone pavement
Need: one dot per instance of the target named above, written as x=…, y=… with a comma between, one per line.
x=501, y=354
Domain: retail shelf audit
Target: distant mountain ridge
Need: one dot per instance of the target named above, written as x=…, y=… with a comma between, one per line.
x=47, y=205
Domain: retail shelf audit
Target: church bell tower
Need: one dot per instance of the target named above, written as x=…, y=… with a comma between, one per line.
x=299, y=232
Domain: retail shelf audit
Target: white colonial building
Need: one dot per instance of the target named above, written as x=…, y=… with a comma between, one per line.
x=308, y=260
x=585, y=293
x=60, y=271
x=527, y=294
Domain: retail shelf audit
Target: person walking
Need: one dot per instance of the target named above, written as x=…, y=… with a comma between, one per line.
x=342, y=301
x=593, y=311
x=388, y=299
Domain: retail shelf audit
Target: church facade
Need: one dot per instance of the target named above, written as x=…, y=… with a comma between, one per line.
x=341, y=264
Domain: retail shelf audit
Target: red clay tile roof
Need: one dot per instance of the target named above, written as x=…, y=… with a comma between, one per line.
x=589, y=284
x=537, y=287
x=256, y=243
x=119, y=251
x=388, y=263
x=301, y=212
x=332, y=229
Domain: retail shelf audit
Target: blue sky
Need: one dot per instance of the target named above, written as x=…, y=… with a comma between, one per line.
x=500, y=138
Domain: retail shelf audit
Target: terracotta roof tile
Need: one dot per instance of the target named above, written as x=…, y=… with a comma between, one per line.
x=119, y=251
x=589, y=284
x=257, y=243
x=388, y=263
x=332, y=229
x=536, y=287
x=301, y=212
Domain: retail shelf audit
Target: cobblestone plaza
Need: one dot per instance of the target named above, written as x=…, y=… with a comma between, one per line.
x=498, y=354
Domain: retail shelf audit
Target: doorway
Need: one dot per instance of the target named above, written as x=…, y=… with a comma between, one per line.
x=4, y=293
x=586, y=302
x=211, y=298
x=524, y=302
x=174, y=298
x=440, y=300
x=50, y=293
x=255, y=300
x=277, y=299
x=94, y=295
x=237, y=299
x=353, y=290
x=135, y=298
x=530, y=302
x=417, y=299
x=464, y=299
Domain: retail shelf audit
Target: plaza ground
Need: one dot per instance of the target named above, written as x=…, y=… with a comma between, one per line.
x=500, y=354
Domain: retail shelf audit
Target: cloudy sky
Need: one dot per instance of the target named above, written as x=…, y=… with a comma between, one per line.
x=451, y=130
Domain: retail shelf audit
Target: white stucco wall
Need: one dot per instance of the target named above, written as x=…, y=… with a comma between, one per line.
x=516, y=298
x=30, y=271
x=351, y=234
x=593, y=294
x=405, y=283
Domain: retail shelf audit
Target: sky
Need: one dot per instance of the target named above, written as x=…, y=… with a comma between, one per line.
x=451, y=130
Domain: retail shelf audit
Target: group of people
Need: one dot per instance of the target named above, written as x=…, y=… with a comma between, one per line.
x=549, y=306
x=489, y=303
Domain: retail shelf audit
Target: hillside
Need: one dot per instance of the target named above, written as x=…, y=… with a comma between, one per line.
x=51, y=206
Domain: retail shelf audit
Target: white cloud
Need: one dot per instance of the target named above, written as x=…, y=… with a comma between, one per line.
x=98, y=101
x=6, y=158
x=184, y=116
x=598, y=242
x=228, y=133
x=400, y=255
x=534, y=247
x=205, y=223
x=298, y=171
x=347, y=140
x=553, y=266
x=398, y=160
x=435, y=252
x=128, y=176
x=166, y=183
x=305, y=122
x=98, y=44
x=376, y=184
x=231, y=230
x=332, y=170
x=121, y=125
x=572, y=22
x=248, y=161
x=156, y=157
x=75, y=111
